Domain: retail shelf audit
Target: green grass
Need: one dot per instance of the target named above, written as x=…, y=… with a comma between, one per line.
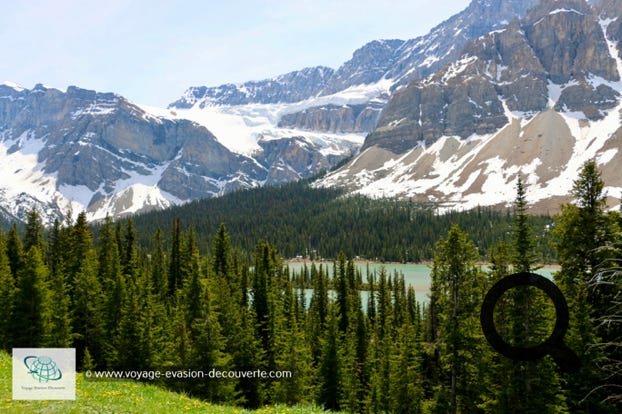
x=121, y=397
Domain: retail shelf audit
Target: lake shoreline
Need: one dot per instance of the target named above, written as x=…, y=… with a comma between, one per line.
x=359, y=262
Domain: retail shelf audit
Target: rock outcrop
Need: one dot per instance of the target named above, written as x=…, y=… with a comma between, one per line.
x=333, y=118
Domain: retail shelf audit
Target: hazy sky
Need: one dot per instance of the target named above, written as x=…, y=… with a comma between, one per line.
x=150, y=51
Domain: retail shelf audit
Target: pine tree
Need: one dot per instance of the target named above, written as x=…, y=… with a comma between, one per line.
x=85, y=292
x=14, y=250
x=457, y=286
x=31, y=323
x=61, y=334
x=583, y=235
x=34, y=231
x=7, y=293
x=532, y=386
x=330, y=369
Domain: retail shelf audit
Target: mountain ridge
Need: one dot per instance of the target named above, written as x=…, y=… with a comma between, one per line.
x=99, y=152
x=391, y=62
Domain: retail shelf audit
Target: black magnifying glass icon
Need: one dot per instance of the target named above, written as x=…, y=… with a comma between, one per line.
x=554, y=345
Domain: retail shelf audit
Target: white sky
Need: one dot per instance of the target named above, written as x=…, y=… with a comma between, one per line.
x=150, y=51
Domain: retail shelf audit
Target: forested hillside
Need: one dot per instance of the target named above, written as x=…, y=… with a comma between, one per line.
x=300, y=220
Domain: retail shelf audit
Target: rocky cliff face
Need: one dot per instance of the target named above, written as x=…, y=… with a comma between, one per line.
x=333, y=118
x=536, y=98
x=291, y=159
x=557, y=56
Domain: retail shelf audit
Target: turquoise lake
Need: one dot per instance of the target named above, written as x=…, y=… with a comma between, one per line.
x=415, y=275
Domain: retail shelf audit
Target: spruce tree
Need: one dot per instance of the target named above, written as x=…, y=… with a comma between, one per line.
x=85, y=292
x=34, y=231
x=7, y=293
x=159, y=278
x=406, y=381
x=265, y=273
x=457, y=292
x=293, y=354
x=112, y=282
x=532, y=386
x=14, y=250
x=318, y=309
x=61, y=334
x=31, y=323
x=209, y=344
x=248, y=355
x=584, y=233
x=175, y=260
x=331, y=365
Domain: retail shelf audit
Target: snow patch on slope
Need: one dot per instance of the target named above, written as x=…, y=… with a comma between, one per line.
x=473, y=175
x=241, y=127
x=14, y=85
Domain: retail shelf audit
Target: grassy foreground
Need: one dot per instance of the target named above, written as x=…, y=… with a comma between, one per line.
x=121, y=397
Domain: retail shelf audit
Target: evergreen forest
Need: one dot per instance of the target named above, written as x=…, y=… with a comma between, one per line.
x=300, y=220
x=158, y=292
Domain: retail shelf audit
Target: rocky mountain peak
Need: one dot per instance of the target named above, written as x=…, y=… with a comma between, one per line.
x=557, y=56
x=368, y=64
x=290, y=87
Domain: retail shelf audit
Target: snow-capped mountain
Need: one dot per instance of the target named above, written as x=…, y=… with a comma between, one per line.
x=82, y=150
x=492, y=97
x=536, y=98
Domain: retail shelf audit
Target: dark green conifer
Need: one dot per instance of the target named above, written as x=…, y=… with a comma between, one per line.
x=331, y=365
x=31, y=323
x=34, y=231
x=457, y=291
x=60, y=302
x=7, y=293
x=584, y=234
x=14, y=250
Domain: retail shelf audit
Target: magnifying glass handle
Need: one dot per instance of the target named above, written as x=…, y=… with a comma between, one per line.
x=565, y=358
